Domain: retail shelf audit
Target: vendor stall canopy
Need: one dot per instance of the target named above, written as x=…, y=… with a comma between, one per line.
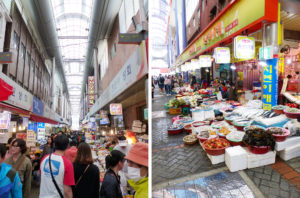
x=72, y=19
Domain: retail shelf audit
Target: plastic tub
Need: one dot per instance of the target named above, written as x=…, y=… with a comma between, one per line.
x=291, y=115
x=175, y=131
x=215, y=152
x=281, y=138
x=188, y=128
x=259, y=149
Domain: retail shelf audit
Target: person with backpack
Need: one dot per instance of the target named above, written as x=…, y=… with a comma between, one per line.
x=57, y=174
x=22, y=164
x=87, y=175
x=10, y=183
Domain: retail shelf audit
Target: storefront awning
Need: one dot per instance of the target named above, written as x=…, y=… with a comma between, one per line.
x=6, y=90
x=14, y=110
x=37, y=118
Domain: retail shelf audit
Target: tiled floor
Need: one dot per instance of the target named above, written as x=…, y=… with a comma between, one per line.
x=224, y=185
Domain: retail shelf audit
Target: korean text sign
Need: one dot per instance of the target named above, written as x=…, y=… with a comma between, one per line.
x=270, y=84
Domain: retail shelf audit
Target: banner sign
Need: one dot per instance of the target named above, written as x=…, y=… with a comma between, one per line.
x=104, y=120
x=5, y=120
x=270, y=84
x=91, y=90
x=222, y=55
x=244, y=47
x=205, y=61
x=38, y=106
x=20, y=98
x=116, y=109
x=237, y=17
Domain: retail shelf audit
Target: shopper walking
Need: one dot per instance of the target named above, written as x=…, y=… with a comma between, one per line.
x=161, y=83
x=48, y=148
x=168, y=85
x=138, y=169
x=124, y=147
x=21, y=164
x=111, y=183
x=180, y=81
x=57, y=174
x=87, y=175
x=10, y=183
x=9, y=145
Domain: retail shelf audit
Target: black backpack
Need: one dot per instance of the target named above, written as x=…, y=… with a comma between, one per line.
x=161, y=80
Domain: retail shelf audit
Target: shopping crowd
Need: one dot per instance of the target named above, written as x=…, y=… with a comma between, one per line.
x=167, y=84
x=66, y=168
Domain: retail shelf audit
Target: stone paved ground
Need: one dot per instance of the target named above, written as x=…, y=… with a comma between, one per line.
x=171, y=160
x=224, y=185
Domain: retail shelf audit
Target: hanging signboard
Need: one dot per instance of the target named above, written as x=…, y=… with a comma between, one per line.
x=41, y=132
x=146, y=114
x=38, y=106
x=104, y=118
x=91, y=90
x=222, y=55
x=268, y=53
x=115, y=109
x=244, y=47
x=5, y=120
x=31, y=138
x=6, y=57
x=195, y=64
x=270, y=84
x=205, y=61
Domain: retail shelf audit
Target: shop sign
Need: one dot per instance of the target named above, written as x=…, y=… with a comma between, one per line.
x=222, y=55
x=31, y=138
x=104, y=118
x=146, y=114
x=195, y=64
x=133, y=70
x=240, y=14
x=6, y=57
x=5, y=120
x=281, y=66
x=4, y=138
x=205, y=61
x=91, y=90
x=244, y=47
x=41, y=125
x=21, y=136
x=267, y=54
x=32, y=126
x=270, y=84
x=116, y=109
x=20, y=98
x=38, y=106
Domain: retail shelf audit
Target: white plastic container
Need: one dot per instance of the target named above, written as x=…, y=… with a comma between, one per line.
x=287, y=143
x=236, y=158
x=290, y=152
x=257, y=160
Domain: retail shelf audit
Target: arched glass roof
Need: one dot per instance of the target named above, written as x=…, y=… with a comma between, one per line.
x=72, y=19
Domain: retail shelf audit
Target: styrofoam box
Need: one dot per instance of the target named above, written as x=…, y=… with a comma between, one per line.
x=257, y=160
x=287, y=143
x=215, y=159
x=236, y=158
x=290, y=152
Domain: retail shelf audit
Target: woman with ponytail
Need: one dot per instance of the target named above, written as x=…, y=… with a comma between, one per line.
x=111, y=184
